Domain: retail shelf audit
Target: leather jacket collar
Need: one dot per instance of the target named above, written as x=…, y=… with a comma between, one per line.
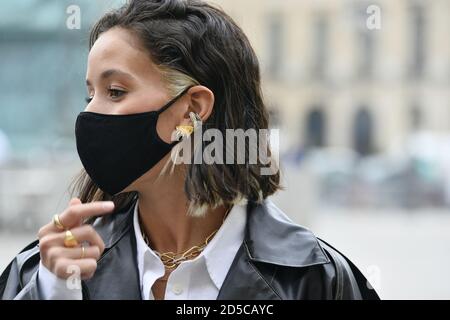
x=272, y=237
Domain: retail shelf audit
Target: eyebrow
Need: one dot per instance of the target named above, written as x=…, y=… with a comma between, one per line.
x=112, y=72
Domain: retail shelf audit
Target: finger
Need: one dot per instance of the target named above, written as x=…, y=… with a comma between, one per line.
x=88, y=233
x=47, y=229
x=74, y=201
x=54, y=253
x=83, y=233
x=51, y=226
x=75, y=214
x=80, y=268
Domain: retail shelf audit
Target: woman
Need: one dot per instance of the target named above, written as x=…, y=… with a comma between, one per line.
x=147, y=226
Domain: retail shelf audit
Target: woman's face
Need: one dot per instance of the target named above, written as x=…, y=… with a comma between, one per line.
x=122, y=79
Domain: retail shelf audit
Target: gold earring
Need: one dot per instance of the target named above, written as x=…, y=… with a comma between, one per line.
x=184, y=131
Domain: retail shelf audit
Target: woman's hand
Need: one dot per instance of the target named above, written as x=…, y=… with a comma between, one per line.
x=61, y=260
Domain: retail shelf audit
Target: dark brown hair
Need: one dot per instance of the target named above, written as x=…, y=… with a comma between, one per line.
x=202, y=42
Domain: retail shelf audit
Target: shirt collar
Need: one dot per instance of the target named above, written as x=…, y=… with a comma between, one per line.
x=218, y=255
x=143, y=251
x=221, y=250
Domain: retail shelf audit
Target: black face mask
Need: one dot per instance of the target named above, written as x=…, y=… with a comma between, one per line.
x=116, y=150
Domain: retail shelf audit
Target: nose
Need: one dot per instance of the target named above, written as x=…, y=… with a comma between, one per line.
x=90, y=106
x=88, y=103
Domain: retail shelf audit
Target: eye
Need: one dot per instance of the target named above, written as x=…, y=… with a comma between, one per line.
x=116, y=94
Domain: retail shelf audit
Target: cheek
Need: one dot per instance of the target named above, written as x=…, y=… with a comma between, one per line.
x=140, y=100
x=166, y=126
x=133, y=103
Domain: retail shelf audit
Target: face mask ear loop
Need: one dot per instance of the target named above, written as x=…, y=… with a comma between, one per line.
x=171, y=102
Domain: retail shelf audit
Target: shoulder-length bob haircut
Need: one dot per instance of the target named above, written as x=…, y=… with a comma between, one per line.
x=194, y=43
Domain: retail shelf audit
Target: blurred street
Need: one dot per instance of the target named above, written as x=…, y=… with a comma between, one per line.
x=403, y=254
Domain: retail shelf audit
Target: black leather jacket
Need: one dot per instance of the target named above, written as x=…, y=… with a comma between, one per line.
x=277, y=260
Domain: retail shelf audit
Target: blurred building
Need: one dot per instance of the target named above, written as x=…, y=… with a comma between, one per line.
x=43, y=66
x=333, y=82
x=329, y=80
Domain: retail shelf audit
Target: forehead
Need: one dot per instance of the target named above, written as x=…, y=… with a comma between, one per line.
x=120, y=49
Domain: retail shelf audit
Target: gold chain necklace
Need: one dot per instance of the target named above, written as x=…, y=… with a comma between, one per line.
x=170, y=259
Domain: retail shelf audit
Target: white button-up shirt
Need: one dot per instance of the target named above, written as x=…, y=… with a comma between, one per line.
x=196, y=279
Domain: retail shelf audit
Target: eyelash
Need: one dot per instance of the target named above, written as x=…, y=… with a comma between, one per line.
x=117, y=91
x=113, y=93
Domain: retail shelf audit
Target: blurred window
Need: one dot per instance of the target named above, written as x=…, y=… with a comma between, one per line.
x=416, y=116
x=275, y=43
x=315, y=129
x=367, y=45
x=320, y=46
x=274, y=118
x=363, y=132
x=418, y=33
x=43, y=69
x=366, y=42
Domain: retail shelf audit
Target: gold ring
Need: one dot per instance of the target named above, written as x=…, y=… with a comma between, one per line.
x=69, y=240
x=83, y=252
x=58, y=223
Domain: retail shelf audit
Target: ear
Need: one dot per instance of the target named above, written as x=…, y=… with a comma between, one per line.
x=198, y=99
x=201, y=101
